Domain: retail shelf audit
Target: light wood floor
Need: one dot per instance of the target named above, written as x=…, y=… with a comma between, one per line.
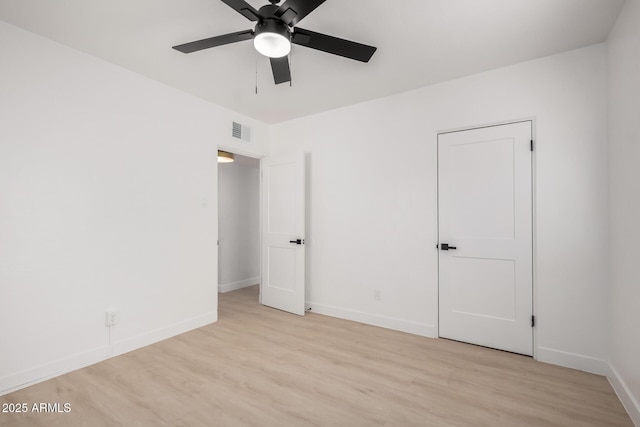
x=262, y=367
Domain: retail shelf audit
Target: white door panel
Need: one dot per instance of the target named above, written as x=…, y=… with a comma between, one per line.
x=488, y=195
x=485, y=213
x=282, y=267
x=498, y=292
x=283, y=224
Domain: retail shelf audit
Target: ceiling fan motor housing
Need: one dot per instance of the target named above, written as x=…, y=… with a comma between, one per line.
x=273, y=26
x=271, y=22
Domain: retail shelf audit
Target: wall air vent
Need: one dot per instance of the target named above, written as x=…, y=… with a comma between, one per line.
x=241, y=131
x=237, y=130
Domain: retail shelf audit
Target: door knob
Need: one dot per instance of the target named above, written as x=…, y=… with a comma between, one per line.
x=297, y=241
x=446, y=247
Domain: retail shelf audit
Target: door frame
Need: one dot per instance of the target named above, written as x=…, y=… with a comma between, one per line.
x=534, y=230
x=234, y=150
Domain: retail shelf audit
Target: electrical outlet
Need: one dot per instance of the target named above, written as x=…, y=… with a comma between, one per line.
x=111, y=317
x=377, y=295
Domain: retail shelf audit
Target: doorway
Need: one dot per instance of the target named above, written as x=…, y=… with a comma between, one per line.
x=261, y=225
x=485, y=224
x=238, y=223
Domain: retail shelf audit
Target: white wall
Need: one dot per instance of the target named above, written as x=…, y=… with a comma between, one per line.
x=103, y=175
x=624, y=165
x=239, y=224
x=372, y=199
x=108, y=198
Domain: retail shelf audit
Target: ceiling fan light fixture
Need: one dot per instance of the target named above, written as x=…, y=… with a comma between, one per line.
x=274, y=31
x=272, y=39
x=225, y=157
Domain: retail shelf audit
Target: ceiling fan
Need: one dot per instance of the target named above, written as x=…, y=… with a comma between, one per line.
x=275, y=31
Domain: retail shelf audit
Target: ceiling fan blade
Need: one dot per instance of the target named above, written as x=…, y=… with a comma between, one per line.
x=280, y=68
x=243, y=8
x=292, y=11
x=214, y=41
x=334, y=45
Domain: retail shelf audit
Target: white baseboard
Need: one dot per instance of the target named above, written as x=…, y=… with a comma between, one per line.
x=151, y=337
x=422, y=329
x=629, y=401
x=572, y=360
x=26, y=378
x=228, y=287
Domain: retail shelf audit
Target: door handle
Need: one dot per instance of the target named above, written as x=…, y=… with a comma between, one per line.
x=297, y=241
x=446, y=247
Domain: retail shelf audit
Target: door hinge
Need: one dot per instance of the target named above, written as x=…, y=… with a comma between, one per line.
x=532, y=145
x=533, y=321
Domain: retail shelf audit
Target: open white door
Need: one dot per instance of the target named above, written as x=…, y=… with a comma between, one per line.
x=283, y=228
x=485, y=230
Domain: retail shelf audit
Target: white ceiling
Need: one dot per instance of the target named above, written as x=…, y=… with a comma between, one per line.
x=420, y=42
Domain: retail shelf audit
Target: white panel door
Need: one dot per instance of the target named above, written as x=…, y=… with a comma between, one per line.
x=283, y=228
x=485, y=237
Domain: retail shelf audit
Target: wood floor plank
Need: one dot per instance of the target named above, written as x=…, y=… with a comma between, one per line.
x=261, y=367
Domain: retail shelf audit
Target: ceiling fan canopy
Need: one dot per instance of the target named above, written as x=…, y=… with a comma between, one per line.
x=274, y=32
